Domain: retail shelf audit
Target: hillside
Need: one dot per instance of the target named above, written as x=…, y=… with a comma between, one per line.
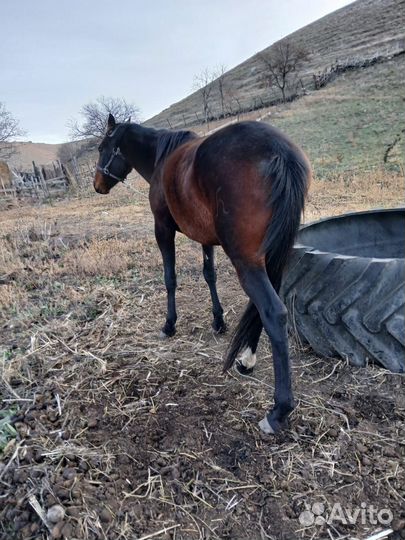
x=41, y=153
x=362, y=30
x=27, y=152
x=349, y=125
x=346, y=126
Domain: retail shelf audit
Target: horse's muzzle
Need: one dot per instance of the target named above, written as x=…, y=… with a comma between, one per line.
x=100, y=185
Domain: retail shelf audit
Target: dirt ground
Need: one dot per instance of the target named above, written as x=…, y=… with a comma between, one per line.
x=137, y=438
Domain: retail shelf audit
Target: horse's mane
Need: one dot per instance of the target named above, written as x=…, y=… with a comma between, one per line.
x=168, y=141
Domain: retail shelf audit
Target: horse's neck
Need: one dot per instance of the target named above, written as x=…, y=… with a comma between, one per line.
x=141, y=149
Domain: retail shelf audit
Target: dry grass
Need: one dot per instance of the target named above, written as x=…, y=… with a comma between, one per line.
x=138, y=438
x=10, y=261
x=354, y=192
x=12, y=296
x=101, y=258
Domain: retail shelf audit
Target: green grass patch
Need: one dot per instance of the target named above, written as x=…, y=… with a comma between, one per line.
x=7, y=431
x=348, y=126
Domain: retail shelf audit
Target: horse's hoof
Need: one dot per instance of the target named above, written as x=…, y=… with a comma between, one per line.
x=167, y=332
x=266, y=427
x=247, y=360
x=243, y=370
x=219, y=326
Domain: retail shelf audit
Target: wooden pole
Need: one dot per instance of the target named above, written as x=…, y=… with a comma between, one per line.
x=44, y=185
x=77, y=172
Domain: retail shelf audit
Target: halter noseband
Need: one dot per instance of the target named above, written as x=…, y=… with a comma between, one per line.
x=115, y=153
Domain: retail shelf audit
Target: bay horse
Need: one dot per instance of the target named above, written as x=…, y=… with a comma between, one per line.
x=243, y=188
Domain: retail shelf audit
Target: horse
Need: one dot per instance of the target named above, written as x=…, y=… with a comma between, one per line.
x=243, y=188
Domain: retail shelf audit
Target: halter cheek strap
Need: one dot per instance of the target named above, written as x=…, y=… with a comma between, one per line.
x=116, y=153
x=105, y=170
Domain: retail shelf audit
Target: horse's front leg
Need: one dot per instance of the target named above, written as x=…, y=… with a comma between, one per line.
x=210, y=276
x=165, y=239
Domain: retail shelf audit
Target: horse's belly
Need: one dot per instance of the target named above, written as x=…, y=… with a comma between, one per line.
x=188, y=206
x=197, y=224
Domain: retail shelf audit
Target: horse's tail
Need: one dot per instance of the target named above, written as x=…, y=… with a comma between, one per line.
x=288, y=175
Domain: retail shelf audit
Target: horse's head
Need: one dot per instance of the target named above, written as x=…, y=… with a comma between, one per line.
x=112, y=167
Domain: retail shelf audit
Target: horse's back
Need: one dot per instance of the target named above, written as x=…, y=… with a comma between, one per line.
x=250, y=142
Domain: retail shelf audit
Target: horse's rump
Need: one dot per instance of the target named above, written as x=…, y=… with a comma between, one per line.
x=224, y=189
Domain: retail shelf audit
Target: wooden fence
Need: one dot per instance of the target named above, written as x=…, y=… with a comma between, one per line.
x=81, y=174
x=43, y=183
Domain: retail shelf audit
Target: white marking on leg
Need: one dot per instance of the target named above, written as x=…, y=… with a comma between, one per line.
x=266, y=427
x=247, y=358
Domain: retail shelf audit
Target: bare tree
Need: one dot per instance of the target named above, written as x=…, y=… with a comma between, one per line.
x=9, y=129
x=282, y=64
x=74, y=149
x=95, y=116
x=203, y=83
x=219, y=75
x=233, y=103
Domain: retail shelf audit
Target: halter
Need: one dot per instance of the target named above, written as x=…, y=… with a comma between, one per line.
x=105, y=170
x=114, y=154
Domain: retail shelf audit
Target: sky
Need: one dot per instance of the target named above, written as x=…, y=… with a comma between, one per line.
x=56, y=56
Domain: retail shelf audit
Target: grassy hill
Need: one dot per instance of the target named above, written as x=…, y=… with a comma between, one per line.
x=362, y=30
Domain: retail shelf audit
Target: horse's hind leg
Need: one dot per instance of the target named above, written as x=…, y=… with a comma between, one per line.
x=246, y=361
x=210, y=276
x=273, y=314
x=251, y=328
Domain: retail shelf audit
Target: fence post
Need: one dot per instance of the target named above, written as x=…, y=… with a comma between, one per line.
x=77, y=172
x=44, y=185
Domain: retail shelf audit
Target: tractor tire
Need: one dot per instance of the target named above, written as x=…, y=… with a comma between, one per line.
x=344, y=287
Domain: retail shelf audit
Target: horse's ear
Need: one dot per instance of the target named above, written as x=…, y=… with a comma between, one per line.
x=110, y=122
x=129, y=120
